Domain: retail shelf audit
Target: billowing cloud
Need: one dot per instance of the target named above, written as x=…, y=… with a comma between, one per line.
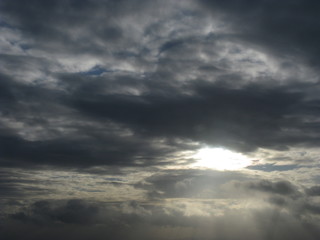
x=291, y=29
x=105, y=105
x=78, y=219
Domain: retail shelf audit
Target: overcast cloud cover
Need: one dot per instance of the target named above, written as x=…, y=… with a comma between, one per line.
x=105, y=106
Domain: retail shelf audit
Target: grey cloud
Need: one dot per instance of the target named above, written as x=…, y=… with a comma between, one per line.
x=218, y=113
x=129, y=221
x=292, y=28
x=272, y=167
x=200, y=184
x=241, y=119
x=313, y=191
x=279, y=187
x=238, y=118
x=211, y=184
x=88, y=26
x=278, y=201
x=52, y=146
x=80, y=212
x=95, y=89
x=18, y=185
x=73, y=212
x=312, y=208
x=58, y=152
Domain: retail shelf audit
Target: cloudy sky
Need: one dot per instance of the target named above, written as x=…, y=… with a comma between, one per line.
x=165, y=120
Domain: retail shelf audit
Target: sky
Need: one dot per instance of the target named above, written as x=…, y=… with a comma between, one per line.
x=164, y=120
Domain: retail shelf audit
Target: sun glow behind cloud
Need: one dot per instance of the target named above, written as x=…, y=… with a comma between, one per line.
x=220, y=159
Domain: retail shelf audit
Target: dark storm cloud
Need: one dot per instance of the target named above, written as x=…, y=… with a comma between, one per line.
x=282, y=27
x=97, y=100
x=241, y=119
x=90, y=145
x=106, y=151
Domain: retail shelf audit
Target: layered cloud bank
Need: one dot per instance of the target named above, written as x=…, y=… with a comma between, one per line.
x=105, y=105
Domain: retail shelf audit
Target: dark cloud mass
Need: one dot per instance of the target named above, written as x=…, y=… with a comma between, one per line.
x=111, y=114
x=286, y=27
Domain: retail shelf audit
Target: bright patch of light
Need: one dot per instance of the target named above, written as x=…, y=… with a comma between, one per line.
x=221, y=159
